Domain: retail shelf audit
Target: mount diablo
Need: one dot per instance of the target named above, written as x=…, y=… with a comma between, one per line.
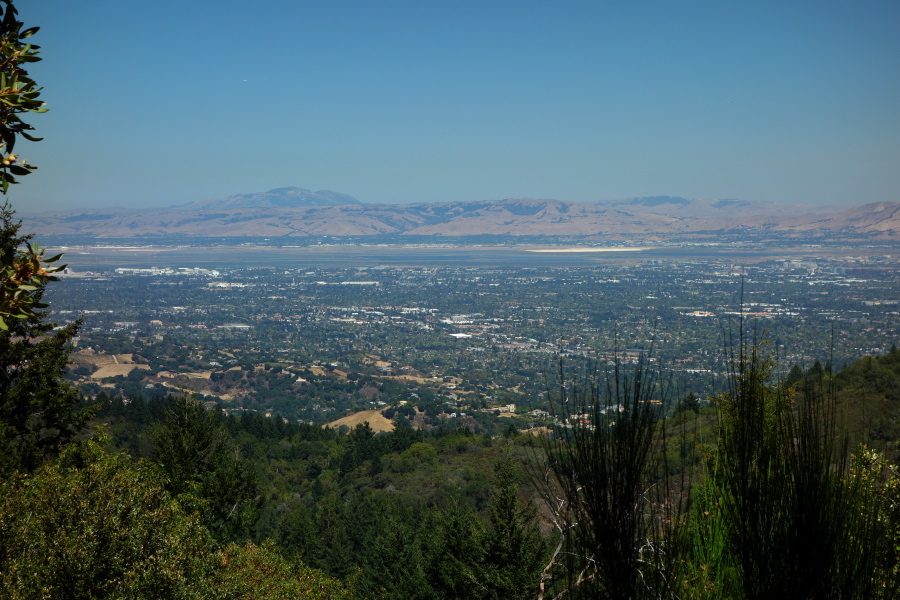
x=289, y=197
x=295, y=212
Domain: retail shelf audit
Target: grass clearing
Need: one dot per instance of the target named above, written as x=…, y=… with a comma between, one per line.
x=377, y=421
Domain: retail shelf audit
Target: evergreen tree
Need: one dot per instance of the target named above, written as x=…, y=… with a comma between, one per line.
x=394, y=554
x=204, y=470
x=455, y=563
x=514, y=547
x=296, y=533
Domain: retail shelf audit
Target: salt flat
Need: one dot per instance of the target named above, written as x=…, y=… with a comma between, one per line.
x=589, y=249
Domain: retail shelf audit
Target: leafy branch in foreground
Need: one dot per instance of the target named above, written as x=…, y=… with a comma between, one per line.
x=18, y=93
x=37, y=406
x=23, y=276
x=23, y=272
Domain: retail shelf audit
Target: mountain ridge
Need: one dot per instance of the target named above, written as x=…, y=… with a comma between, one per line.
x=297, y=212
x=285, y=197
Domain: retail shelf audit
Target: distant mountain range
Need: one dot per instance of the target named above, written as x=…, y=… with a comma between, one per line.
x=296, y=212
x=289, y=197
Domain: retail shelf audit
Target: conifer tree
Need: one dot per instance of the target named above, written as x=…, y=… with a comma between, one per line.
x=515, y=550
x=204, y=470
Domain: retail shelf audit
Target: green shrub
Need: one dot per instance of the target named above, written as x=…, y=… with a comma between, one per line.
x=93, y=524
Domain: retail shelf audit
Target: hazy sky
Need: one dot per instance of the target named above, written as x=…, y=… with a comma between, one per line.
x=164, y=102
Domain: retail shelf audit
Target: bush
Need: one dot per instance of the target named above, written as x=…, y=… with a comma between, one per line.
x=97, y=525
x=420, y=452
x=795, y=524
x=250, y=571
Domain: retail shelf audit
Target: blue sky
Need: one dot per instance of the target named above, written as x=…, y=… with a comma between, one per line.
x=162, y=103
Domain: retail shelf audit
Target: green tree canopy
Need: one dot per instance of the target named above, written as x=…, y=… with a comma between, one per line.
x=204, y=470
x=93, y=524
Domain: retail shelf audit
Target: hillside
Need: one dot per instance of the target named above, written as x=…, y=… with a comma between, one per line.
x=340, y=502
x=374, y=418
x=294, y=212
x=868, y=392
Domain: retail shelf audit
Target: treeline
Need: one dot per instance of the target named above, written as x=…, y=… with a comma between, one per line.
x=400, y=514
x=778, y=487
x=185, y=514
x=762, y=493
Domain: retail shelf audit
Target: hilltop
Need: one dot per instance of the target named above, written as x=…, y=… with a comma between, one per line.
x=296, y=212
